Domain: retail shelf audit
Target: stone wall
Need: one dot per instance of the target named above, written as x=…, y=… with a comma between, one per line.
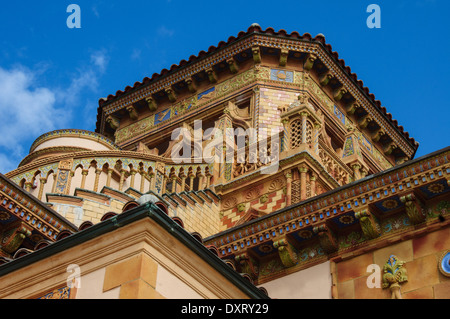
x=421, y=256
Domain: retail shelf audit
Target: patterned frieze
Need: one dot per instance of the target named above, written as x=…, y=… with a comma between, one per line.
x=350, y=205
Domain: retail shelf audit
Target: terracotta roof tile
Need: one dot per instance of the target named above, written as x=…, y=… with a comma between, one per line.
x=256, y=28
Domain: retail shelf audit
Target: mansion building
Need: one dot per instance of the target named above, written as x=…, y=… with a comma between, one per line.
x=323, y=199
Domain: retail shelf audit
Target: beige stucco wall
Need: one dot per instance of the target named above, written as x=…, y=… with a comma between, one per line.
x=73, y=141
x=312, y=283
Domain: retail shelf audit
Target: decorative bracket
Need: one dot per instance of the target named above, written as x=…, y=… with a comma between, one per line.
x=365, y=121
x=247, y=265
x=339, y=93
x=371, y=229
x=234, y=67
x=283, y=57
x=191, y=85
x=414, y=208
x=390, y=148
x=309, y=62
x=256, y=54
x=327, y=239
x=132, y=112
x=13, y=237
x=287, y=252
x=151, y=104
x=171, y=94
x=352, y=107
x=212, y=76
x=325, y=78
x=113, y=122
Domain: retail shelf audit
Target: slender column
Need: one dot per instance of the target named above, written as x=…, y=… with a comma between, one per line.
x=174, y=183
x=152, y=181
x=191, y=182
x=108, y=180
x=133, y=175
x=316, y=138
x=98, y=171
x=303, y=170
x=304, y=115
x=356, y=173
x=54, y=182
x=312, y=179
x=201, y=182
x=84, y=173
x=288, y=176
x=208, y=180
x=123, y=173
x=183, y=182
x=43, y=181
x=143, y=175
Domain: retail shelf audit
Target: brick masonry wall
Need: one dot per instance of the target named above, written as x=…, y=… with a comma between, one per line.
x=421, y=256
x=200, y=218
x=268, y=113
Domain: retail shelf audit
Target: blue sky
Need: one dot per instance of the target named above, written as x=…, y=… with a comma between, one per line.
x=51, y=77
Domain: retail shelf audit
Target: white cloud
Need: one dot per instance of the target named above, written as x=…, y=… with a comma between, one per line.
x=100, y=60
x=163, y=31
x=29, y=109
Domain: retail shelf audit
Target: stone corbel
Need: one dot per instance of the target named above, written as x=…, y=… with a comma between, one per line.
x=256, y=54
x=414, y=208
x=286, y=252
x=352, y=107
x=325, y=78
x=283, y=57
x=212, y=76
x=113, y=122
x=132, y=112
x=339, y=94
x=309, y=62
x=13, y=236
x=378, y=135
x=247, y=265
x=191, y=85
x=327, y=239
x=370, y=228
x=365, y=121
x=389, y=149
x=151, y=104
x=232, y=64
x=171, y=94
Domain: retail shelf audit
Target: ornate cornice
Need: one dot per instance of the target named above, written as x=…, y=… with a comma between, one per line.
x=427, y=175
x=255, y=37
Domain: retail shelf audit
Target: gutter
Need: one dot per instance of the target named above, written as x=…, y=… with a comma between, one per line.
x=147, y=210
